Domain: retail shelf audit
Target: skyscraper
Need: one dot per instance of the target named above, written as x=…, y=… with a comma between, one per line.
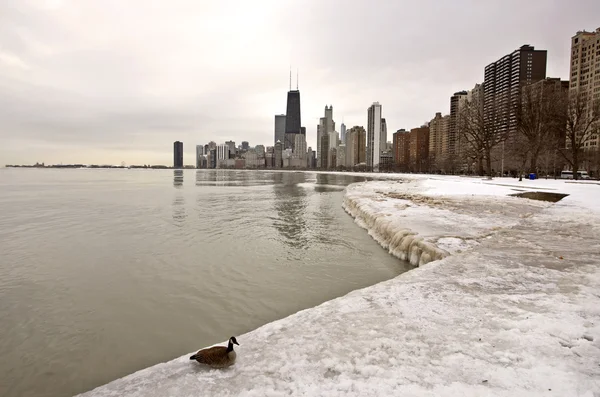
x=343, y=133
x=293, y=122
x=279, y=128
x=503, y=82
x=373, y=136
x=178, y=154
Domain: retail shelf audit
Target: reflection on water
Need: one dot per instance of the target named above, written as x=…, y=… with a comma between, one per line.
x=291, y=205
x=178, y=178
x=211, y=177
x=179, y=213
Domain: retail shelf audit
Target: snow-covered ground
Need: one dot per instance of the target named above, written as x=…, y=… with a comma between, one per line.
x=512, y=309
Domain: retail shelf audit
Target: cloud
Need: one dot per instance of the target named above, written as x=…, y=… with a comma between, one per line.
x=111, y=81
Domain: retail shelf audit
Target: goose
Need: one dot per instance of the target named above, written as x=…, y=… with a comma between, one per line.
x=217, y=356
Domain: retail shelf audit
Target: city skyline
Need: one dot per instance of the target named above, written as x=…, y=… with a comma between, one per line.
x=75, y=91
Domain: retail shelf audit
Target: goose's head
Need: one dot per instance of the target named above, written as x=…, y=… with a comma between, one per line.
x=233, y=340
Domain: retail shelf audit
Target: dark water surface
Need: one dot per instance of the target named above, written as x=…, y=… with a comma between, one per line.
x=105, y=272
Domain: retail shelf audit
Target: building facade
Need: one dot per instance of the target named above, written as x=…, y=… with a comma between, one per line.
x=401, y=149
x=585, y=72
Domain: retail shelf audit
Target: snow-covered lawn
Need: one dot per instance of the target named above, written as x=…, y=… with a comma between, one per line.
x=512, y=309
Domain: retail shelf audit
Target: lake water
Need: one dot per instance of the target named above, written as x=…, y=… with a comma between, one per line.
x=105, y=272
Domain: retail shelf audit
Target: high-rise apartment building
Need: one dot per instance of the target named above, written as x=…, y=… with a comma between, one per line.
x=374, y=136
x=343, y=133
x=279, y=128
x=458, y=102
x=436, y=134
x=419, y=149
x=245, y=145
x=503, y=82
x=383, y=136
x=178, y=154
x=401, y=149
x=585, y=71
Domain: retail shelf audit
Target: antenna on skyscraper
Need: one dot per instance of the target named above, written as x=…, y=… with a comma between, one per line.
x=290, y=77
x=297, y=79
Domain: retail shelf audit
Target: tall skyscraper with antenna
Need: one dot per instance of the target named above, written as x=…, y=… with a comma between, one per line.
x=293, y=122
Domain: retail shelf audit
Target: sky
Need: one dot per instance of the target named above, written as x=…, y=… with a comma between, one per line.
x=111, y=81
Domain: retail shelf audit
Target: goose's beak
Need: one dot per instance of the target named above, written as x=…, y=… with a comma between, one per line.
x=236, y=343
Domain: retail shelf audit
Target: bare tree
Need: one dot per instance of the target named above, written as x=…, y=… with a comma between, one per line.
x=536, y=122
x=521, y=151
x=581, y=118
x=481, y=132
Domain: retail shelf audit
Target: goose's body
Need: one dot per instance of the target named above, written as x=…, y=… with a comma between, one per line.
x=217, y=356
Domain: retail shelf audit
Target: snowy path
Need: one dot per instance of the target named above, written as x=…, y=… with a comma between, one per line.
x=515, y=314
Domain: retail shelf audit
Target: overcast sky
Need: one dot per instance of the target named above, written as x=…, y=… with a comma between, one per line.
x=107, y=81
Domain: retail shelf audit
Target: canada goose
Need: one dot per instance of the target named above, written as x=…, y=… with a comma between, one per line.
x=217, y=356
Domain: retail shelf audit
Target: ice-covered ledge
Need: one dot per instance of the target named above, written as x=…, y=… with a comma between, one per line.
x=422, y=221
x=517, y=314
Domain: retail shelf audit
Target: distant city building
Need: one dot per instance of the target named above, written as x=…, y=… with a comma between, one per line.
x=326, y=127
x=341, y=155
x=199, y=155
x=293, y=121
x=212, y=160
x=270, y=157
x=401, y=149
x=278, y=155
x=300, y=146
x=343, y=133
x=458, y=101
x=311, y=158
x=419, y=149
x=355, y=146
x=438, y=141
x=231, y=145
x=373, y=136
x=260, y=150
x=279, y=128
x=245, y=145
x=324, y=158
x=585, y=71
x=178, y=154
x=383, y=136
x=222, y=155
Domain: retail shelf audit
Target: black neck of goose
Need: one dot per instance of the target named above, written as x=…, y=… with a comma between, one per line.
x=230, y=346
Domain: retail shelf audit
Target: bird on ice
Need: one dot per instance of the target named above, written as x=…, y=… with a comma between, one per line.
x=217, y=356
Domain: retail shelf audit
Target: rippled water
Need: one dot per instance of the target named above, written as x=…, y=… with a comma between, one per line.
x=104, y=272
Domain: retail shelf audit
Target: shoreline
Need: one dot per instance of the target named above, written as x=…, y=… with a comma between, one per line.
x=485, y=318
